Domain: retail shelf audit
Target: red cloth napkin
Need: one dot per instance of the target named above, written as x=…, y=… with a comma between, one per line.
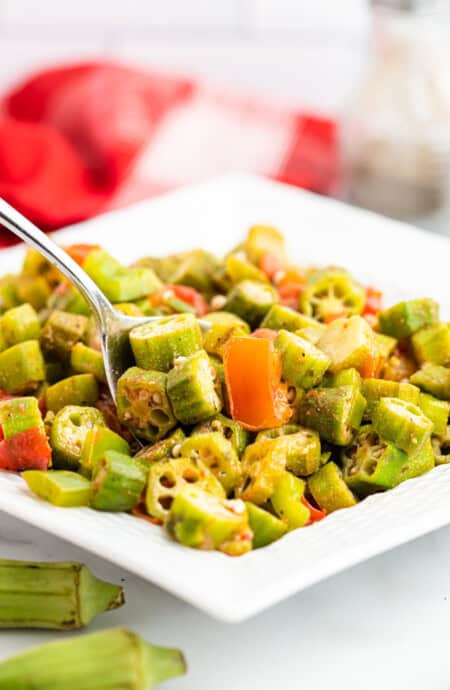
x=78, y=140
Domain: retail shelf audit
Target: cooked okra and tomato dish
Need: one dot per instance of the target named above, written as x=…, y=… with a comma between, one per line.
x=301, y=396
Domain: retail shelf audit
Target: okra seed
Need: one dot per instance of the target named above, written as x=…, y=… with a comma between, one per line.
x=176, y=450
x=157, y=398
x=216, y=425
x=217, y=302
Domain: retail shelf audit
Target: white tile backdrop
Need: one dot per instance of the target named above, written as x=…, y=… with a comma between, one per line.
x=305, y=52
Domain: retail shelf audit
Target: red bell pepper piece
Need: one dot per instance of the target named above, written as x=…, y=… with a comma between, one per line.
x=315, y=514
x=185, y=293
x=373, y=302
x=266, y=333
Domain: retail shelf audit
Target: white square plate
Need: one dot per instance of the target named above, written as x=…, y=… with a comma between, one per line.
x=401, y=260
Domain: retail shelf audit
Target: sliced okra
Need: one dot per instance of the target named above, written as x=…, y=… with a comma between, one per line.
x=238, y=268
x=441, y=447
x=118, y=482
x=399, y=366
x=331, y=292
x=131, y=309
x=263, y=464
x=22, y=368
x=18, y=415
x=81, y=389
x=345, y=377
x=120, y=284
x=218, y=370
x=402, y=423
x=20, y=324
x=434, y=379
x=432, y=344
x=303, y=365
x=8, y=292
x=196, y=269
x=280, y=317
x=230, y=429
x=436, y=410
x=335, y=413
x=287, y=502
x=375, y=389
x=329, y=489
x=66, y=298
x=68, y=433
x=61, y=332
x=301, y=446
x=217, y=453
x=203, y=521
x=408, y=392
x=311, y=333
x=191, y=389
x=163, y=450
x=384, y=344
x=143, y=405
x=262, y=240
x=86, y=360
x=405, y=318
x=59, y=487
x=54, y=371
x=34, y=264
x=157, y=345
x=97, y=441
x=266, y=527
x=223, y=327
x=348, y=343
x=251, y=300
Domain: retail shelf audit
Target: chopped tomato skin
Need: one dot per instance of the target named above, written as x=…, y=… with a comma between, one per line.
x=185, y=293
x=28, y=450
x=315, y=514
x=289, y=294
x=270, y=264
x=266, y=333
x=373, y=302
x=80, y=252
x=372, y=366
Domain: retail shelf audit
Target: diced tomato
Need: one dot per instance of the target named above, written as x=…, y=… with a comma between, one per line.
x=185, y=293
x=332, y=317
x=266, y=333
x=372, y=366
x=80, y=252
x=5, y=396
x=270, y=264
x=28, y=450
x=289, y=294
x=373, y=301
x=315, y=513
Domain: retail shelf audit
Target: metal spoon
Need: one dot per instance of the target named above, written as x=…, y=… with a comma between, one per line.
x=113, y=326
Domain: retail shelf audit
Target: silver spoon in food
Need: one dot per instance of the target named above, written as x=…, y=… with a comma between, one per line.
x=113, y=326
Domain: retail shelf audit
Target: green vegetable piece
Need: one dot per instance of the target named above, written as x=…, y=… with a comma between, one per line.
x=408, y=392
x=263, y=464
x=335, y=413
x=436, y=410
x=331, y=292
x=375, y=389
x=196, y=269
x=34, y=291
x=262, y=240
x=66, y=298
x=190, y=386
x=97, y=441
x=118, y=283
x=54, y=371
x=143, y=405
x=251, y=300
x=18, y=415
x=405, y=318
x=345, y=377
x=329, y=489
x=20, y=324
x=61, y=332
x=432, y=344
x=280, y=317
x=81, y=389
x=432, y=378
x=157, y=345
x=402, y=423
x=59, y=487
x=8, y=293
x=230, y=429
x=217, y=453
x=167, y=478
x=22, y=368
x=266, y=527
x=348, y=343
x=238, y=268
x=203, y=521
x=301, y=447
x=163, y=450
x=287, y=501
x=311, y=333
x=223, y=327
x=3, y=345
x=303, y=365
x=441, y=447
x=384, y=344
x=117, y=482
x=86, y=360
x=68, y=433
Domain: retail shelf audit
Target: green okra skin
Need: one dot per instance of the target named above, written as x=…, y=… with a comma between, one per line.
x=164, y=266
x=223, y=327
x=263, y=464
x=81, y=389
x=8, y=292
x=335, y=413
x=85, y=662
x=120, y=284
x=60, y=596
x=402, y=423
x=61, y=332
x=143, y=404
x=203, y=521
x=191, y=389
x=157, y=345
x=220, y=386
x=97, y=441
x=347, y=343
x=432, y=344
x=405, y=318
x=33, y=290
x=68, y=433
x=195, y=268
x=262, y=240
x=329, y=489
x=408, y=392
x=301, y=446
x=217, y=453
x=22, y=368
x=437, y=411
x=266, y=527
x=302, y=364
x=86, y=360
x=330, y=292
x=286, y=500
x=18, y=415
x=117, y=482
x=231, y=430
x=59, y=487
x=284, y=318
x=20, y=324
x=431, y=378
x=344, y=377
x=54, y=371
x=251, y=300
x=167, y=478
x=162, y=450
x=3, y=345
x=384, y=344
x=66, y=298
x=375, y=389
x=441, y=447
x=238, y=268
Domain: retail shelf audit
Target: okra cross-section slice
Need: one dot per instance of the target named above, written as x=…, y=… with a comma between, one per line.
x=436, y=410
x=262, y=240
x=117, y=482
x=86, y=360
x=59, y=487
x=120, y=284
x=405, y=318
x=301, y=446
x=191, y=389
x=20, y=324
x=143, y=405
x=263, y=464
x=217, y=453
x=167, y=478
x=335, y=413
x=61, y=332
x=287, y=501
x=98, y=440
x=169, y=447
x=303, y=365
x=157, y=345
x=238, y=268
x=81, y=389
x=22, y=368
x=231, y=430
x=281, y=317
x=331, y=292
x=402, y=423
x=432, y=344
x=329, y=489
x=18, y=415
x=68, y=434
x=223, y=327
x=266, y=527
x=345, y=377
x=251, y=300
x=432, y=378
x=203, y=521
x=348, y=343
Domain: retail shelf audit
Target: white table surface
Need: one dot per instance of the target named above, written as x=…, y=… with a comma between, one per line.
x=383, y=624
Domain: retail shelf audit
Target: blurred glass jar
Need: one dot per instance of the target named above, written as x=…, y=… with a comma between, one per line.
x=396, y=135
